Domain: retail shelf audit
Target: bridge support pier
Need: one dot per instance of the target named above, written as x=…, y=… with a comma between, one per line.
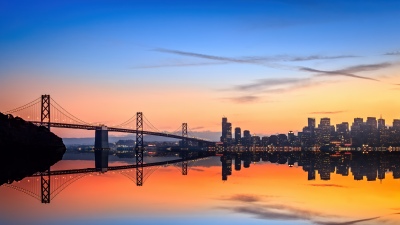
x=101, y=149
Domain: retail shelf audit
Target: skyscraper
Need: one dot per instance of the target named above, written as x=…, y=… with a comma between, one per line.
x=246, y=138
x=311, y=122
x=226, y=131
x=324, y=131
x=238, y=136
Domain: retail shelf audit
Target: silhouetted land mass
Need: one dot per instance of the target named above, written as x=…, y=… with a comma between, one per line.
x=26, y=148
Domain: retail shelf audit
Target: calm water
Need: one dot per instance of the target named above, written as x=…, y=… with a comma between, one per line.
x=280, y=188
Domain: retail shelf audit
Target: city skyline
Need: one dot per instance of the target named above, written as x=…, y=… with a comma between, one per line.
x=265, y=65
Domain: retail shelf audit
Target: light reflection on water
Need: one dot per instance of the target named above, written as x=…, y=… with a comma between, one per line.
x=266, y=192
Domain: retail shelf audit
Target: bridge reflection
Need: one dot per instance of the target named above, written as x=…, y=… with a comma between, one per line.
x=45, y=186
x=369, y=166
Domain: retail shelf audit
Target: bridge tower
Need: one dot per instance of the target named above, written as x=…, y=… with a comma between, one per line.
x=101, y=149
x=139, y=149
x=184, y=149
x=45, y=111
x=45, y=185
x=45, y=176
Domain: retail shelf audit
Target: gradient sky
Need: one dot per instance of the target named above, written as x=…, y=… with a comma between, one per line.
x=266, y=65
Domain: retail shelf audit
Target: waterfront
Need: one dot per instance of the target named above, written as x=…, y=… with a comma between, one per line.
x=264, y=193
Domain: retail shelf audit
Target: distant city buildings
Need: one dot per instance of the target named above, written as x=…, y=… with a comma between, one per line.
x=373, y=133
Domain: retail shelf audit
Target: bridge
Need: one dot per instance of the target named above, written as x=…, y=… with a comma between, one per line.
x=45, y=111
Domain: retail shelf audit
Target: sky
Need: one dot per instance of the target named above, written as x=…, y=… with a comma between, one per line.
x=265, y=65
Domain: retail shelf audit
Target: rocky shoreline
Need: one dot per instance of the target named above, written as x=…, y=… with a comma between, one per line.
x=26, y=148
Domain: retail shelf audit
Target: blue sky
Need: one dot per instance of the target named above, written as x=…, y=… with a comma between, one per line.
x=209, y=48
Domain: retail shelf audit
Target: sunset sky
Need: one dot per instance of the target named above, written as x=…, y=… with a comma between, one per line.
x=266, y=65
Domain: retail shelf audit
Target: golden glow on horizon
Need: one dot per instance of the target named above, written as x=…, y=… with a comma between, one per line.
x=168, y=108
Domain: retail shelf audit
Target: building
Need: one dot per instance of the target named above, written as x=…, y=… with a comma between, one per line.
x=238, y=136
x=246, y=141
x=226, y=137
x=323, y=135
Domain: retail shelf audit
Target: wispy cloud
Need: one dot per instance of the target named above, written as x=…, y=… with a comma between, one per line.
x=244, y=99
x=349, y=71
x=259, y=60
x=270, y=83
x=347, y=222
x=275, y=85
x=327, y=112
x=319, y=57
x=392, y=53
x=179, y=65
x=243, y=198
x=256, y=206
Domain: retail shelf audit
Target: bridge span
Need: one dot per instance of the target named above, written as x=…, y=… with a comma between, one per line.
x=124, y=130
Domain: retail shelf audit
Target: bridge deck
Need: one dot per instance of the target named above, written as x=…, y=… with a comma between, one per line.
x=122, y=130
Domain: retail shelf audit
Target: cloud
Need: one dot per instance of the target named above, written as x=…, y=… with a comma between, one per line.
x=243, y=198
x=255, y=205
x=179, y=65
x=334, y=73
x=259, y=60
x=347, y=222
x=276, y=85
x=349, y=71
x=392, y=53
x=268, y=213
x=244, y=99
x=270, y=83
x=328, y=185
x=327, y=112
x=319, y=57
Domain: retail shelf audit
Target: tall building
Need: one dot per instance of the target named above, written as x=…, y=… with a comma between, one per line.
x=356, y=132
x=324, y=131
x=246, y=138
x=291, y=137
x=226, y=131
x=396, y=124
x=311, y=122
x=343, y=133
x=381, y=123
x=238, y=136
x=370, y=132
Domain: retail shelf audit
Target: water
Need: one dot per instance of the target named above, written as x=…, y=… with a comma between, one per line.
x=264, y=193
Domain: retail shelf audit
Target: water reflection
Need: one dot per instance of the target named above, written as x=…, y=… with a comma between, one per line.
x=369, y=165
x=261, y=187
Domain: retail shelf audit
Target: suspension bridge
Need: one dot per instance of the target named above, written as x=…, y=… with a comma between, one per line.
x=45, y=111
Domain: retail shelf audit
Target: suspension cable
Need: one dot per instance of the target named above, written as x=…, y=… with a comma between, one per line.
x=24, y=106
x=126, y=122
x=73, y=117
